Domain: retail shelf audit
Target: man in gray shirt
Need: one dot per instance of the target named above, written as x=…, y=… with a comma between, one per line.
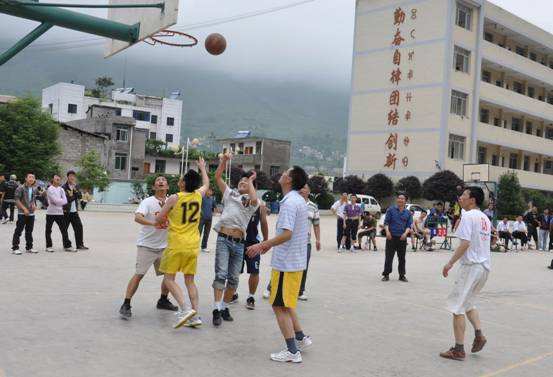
x=25, y=200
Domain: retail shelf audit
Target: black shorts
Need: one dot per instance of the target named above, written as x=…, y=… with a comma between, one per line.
x=252, y=264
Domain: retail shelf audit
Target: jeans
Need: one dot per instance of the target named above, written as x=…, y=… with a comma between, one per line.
x=392, y=246
x=5, y=207
x=339, y=231
x=228, y=263
x=27, y=223
x=543, y=239
x=304, y=276
x=60, y=221
x=351, y=231
x=205, y=228
x=75, y=221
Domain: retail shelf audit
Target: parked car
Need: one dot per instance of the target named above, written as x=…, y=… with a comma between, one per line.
x=415, y=207
x=371, y=204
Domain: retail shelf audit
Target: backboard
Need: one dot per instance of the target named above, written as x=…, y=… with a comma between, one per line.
x=476, y=172
x=151, y=20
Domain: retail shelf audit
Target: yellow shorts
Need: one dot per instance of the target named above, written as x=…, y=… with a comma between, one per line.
x=285, y=288
x=179, y=261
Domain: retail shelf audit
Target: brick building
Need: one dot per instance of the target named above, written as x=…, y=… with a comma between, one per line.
x=75, y=142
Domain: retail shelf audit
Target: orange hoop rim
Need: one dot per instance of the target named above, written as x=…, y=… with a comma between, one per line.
x=154, y=39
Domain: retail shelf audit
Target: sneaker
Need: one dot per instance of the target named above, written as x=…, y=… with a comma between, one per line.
x=385, y=278
x=49, y=250
x=286, y=356
x=403, y=279
x=183, y=316
x=206, y=250
x=70, y=249
x=125, y=312
x=32, y=251
x=5, y=221
x=82, y=247
x=267, y=294
x=194, y=322
x=305, y=343
x=165, y=304
x=250, y=303
x=303, y=297
x=226, y=315
x=234, y=299
x=217, y=318
x=453, y=354
x=16, y=252
x=478, y=344
x=550, y=267
x=352, y=249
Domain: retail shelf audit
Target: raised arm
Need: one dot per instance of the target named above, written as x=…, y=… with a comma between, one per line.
x=219, y=172
x=205, y=177
x=252, y=193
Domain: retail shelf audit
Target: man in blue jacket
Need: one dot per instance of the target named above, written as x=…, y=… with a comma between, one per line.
x=397, y=225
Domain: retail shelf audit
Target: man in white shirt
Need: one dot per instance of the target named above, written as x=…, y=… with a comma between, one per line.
x=152, y=240
x=520, y=231
x=338, y=209
x=474, y=232
x=504, y=232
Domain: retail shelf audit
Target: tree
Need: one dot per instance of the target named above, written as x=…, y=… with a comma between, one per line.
x=442, y=186
x=91, y=172
x=536, y=197
x=263, y=181
x=410, y=186
x=318, y=184
x=28, y=141
x=102, y=84
x=352, y=184
x=275, y=185
x=380, y=186
x=509, y=198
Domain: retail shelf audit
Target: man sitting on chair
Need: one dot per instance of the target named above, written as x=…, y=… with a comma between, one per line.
x=520, y=232
x=504, y=232
x=421, y=231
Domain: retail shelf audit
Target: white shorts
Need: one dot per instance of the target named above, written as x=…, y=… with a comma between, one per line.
x=471, y=278
x=146, y=257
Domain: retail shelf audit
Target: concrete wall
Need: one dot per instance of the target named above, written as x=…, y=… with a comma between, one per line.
x=74, y=144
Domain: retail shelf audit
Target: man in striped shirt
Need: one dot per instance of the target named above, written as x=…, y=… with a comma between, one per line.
x=314, y=220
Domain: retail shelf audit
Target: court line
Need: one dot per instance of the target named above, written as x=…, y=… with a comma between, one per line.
x=518, y=365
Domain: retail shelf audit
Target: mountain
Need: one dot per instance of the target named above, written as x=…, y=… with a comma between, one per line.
x=313, y=117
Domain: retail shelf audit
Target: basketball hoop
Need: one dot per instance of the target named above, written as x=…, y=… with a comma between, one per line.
x=157, y=38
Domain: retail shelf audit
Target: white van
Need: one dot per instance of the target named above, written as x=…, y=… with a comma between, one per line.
x=371, y=204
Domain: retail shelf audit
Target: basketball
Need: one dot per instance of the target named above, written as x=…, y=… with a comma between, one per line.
x=215, y=44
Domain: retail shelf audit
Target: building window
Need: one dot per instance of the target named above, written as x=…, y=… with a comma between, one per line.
x=274, y=170
x=153, y=120
x=122, y=134
x=497, y=122
x=487, y=76
x=120, y=161
x=548, y=167
x=160, y=166
x=533, y=56
x=464, y=16
x=518, y=87
x=153, y=135
x=248, y=150
x=51, y=108
x=257, y=167
x=461, y=59
x=495, y=160
x=170, y=121
x=488, y=37
x=456, y=147
x=168, y=138
x=513, y=161
x=240, y=147
x=485, y=116
x=526, y=163
x=520, y=51
x=549, y=133
x=529, y=128
x=516, y=124
x=482, y=152
x=232, y=147
x=141, y=115
x=499, y=83
x=71, y=108
x=118, y=111
x=458, y=103
x=531, y=92
x=539, y=132
x=537, y=167
x=258, y=147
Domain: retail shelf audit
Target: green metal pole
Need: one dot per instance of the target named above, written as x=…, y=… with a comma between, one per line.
x=102, y=6
x=74, y=20
x=24, y=42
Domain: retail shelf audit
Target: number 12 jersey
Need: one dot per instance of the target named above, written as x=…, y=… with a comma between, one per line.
x=184, y=220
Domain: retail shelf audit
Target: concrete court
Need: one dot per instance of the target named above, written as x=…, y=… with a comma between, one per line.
x=59, y=317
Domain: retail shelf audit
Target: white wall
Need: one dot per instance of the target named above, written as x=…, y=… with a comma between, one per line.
x=60, y=96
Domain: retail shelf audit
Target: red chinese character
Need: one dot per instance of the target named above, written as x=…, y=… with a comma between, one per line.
x=414, y=14
x=394, y=98
x=391, y=161
x=398, y=39
x=397, y=57
x=408, y=115
x=406, y=141
x=395, y=76
x=393, y=118
x=409, y=97
x=399, y=17
x=405, y=161
x=410, y=74
x=391, y=143
x=413, y=33
x=411, y=55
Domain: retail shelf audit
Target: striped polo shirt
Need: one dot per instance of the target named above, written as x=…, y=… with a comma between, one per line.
x=292, y=255
x=313, y=216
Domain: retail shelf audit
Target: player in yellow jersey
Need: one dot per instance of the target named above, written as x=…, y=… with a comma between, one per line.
x=182, y=211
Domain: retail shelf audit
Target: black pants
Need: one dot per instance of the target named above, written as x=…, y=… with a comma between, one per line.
x=83, y=204
x=506, y=237
x=351, y=231
x=75, y=221
x=5, y=207
x=392, y=246
x=339, y=231
x=533, y=233
x=521, y=236
x=205, y=227
x=304, y=275
x=60, y=221
x=27, y=223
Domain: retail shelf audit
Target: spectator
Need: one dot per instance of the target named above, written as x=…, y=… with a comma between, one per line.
x=544, y=224
x=338, y=210
x=9, y=198
x=503, y=231
x=71, y=209
x=397, y=223
x=3, y=214
x=532, y=223
x=352, y=212
x=87, y=197
x=208, y=206
x=25, y=200
x=489, y=212
x=54, y=214
x=520, y=231
x=421, y=231
x=368, y=229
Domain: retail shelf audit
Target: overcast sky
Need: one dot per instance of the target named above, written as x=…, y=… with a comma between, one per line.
x=310, y=41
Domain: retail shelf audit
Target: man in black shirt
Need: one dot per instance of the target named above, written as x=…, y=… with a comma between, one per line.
x=71, y=209
x=3, y=214
x=8, y=198
x=532, y=223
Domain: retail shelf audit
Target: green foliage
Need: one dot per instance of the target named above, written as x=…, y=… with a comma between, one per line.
x=509, y=200
x=91, y=172
x=324, y=200
x=351, y=184
x=318, y=184
x=138, y=190
x=28, y=141
x=538, y=198
x=442, y=186
x=102, y=85
x=380, y=186
x=263, y=181
x=410, y=186
x=173, y=181
x=158, y=148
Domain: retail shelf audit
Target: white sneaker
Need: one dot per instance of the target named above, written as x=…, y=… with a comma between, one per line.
x=5, y=221
x=194, y=322
x=183, y=317
x=206, y=250
x=16, y=252
x=70, y=249
x=303, y=297
x=49, y=250
x=286, y=356
x=266, y=294
x=32, y=251
x=305, y=343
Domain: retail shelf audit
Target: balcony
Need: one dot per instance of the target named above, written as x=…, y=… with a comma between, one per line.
x=517, y=140
x=527, y=179
x=516, y=102
x=515, y=62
